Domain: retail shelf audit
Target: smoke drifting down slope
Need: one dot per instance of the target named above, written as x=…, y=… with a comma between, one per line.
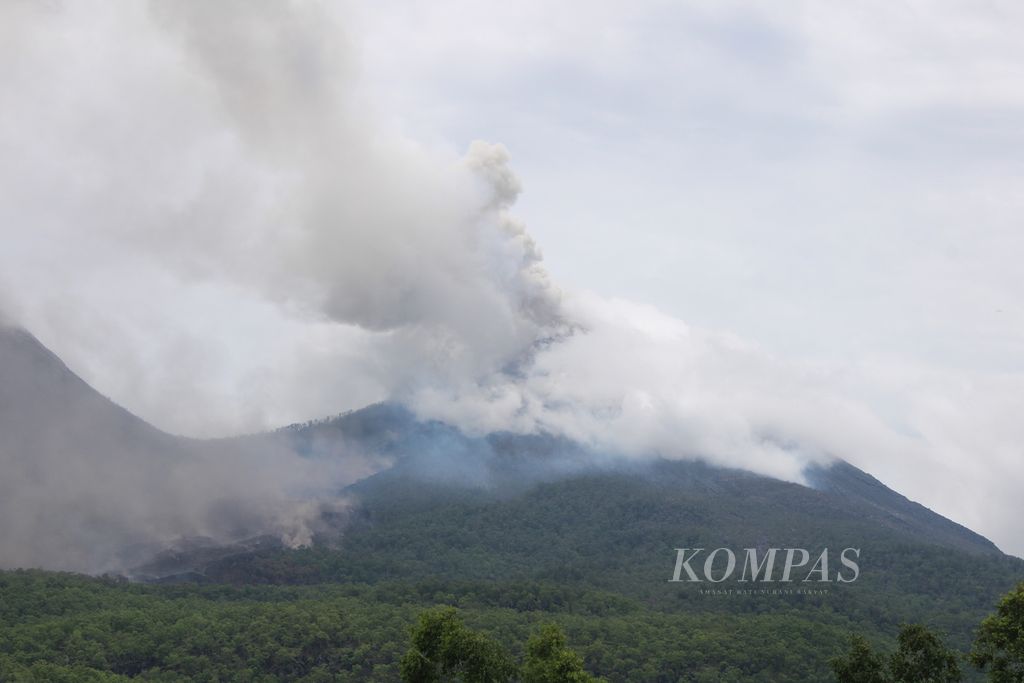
x=88, y=486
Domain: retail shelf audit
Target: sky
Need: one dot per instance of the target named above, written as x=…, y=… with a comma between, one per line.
x=706, y=228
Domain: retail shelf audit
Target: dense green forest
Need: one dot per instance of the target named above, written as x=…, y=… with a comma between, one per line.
x=54, y=624
x=62, y=627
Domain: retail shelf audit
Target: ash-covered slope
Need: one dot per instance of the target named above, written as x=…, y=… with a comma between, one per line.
x=60, y=443
x=87, y=486
x=45, y=406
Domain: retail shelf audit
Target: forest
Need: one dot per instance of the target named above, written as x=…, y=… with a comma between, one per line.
x=63, y=627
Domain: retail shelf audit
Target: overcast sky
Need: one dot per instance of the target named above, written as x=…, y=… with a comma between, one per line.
x=833, y=187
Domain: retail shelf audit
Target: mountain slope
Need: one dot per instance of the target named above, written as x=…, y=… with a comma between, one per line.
x=60, y=442
x=844, y=482
x=87, y=486
x=43, y=405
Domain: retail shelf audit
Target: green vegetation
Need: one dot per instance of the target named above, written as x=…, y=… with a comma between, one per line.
x=590, y=557
x=57, y=625
x=999, y=647
x=603, y=545
x=921, y=657
x=860, y=665
x=65, y=627
x=549, y=659
x=444, y=649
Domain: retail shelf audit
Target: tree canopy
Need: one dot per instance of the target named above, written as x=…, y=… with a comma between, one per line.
x=920, y=657
x=443, y=648
x=999, y=646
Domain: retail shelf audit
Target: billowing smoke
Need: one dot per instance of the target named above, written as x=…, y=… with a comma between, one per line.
x=203, y=214
x=227, y=149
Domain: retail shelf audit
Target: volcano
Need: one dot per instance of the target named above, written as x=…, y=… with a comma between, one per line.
x=528, y=523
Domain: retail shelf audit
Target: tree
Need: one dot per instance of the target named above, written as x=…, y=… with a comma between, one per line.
x=999, y=646
x=443, y=648
x=549, y=660
x=921, y=657
x=860, y=665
